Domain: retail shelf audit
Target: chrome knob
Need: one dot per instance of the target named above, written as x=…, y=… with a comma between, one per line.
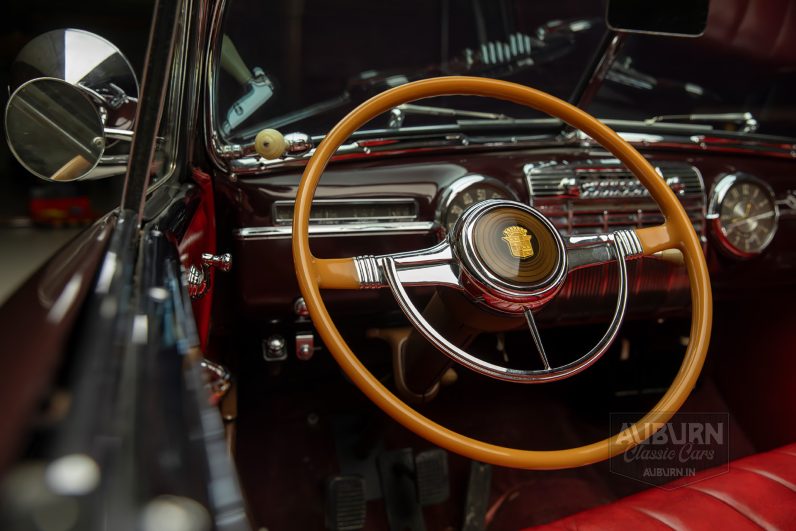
x=300, y=308
x=274, y=348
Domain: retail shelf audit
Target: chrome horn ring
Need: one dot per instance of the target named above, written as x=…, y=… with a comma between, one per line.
x=512, y=286
x=499, y=372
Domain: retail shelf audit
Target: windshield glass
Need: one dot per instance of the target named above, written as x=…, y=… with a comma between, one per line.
x=705, y=80
x=300, y=66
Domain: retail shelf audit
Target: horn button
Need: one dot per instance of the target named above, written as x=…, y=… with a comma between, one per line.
x=512, y=257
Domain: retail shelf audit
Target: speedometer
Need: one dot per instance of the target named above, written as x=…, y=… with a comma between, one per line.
x=466, y=192
x=744, y=215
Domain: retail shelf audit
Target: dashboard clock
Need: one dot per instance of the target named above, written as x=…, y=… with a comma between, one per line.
x=744, y=215
x=466, y=192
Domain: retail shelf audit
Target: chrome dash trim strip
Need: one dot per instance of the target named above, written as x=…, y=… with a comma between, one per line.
x=349, y=229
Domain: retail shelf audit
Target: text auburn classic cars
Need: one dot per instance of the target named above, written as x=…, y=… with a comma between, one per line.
x=414, y=265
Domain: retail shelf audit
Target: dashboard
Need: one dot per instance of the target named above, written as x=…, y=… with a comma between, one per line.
x=742, y=206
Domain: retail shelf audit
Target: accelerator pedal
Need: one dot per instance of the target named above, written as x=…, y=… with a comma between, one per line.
x=397, y=472
x=477, y=502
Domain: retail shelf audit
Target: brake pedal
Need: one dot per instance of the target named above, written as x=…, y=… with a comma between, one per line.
x=431, y=475
x=345, y=503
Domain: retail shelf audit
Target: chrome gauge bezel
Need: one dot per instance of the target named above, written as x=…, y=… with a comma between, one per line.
x=717, y=196
x=459, y=186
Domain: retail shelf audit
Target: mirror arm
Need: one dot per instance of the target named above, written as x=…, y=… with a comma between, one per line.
x=119, y=134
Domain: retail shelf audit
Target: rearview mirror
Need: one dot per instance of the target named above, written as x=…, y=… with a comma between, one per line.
x=684, y=18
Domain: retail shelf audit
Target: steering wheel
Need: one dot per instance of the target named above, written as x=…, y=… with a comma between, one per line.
x=508, y=257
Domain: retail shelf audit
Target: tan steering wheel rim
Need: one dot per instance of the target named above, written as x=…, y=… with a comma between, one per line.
x=676, y=233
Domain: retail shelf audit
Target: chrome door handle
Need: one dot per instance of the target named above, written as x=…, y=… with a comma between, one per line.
x=199, y=277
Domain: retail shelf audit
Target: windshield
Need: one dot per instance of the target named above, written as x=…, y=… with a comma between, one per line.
x=300, y=66
x=702, y=80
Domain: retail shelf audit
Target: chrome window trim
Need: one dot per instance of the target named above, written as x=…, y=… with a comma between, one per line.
x=215, y=147
x=348, y=229
x=174, y=107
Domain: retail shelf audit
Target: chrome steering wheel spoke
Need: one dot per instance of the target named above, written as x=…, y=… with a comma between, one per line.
x=537, y=338
x=433, y=266
x=598, y=249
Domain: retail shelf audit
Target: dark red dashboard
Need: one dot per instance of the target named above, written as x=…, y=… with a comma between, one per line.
x=261, y=243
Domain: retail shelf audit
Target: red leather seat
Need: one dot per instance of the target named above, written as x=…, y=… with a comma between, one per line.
x=758, y=492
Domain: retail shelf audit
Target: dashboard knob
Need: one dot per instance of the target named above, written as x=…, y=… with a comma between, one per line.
x=270, y=144
x=274, y=348
x=300, y=308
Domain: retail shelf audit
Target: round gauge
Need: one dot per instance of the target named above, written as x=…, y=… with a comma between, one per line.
x=744, y=215
x=466, y=192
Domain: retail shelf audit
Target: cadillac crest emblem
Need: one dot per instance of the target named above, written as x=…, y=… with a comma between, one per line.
x=519, y=241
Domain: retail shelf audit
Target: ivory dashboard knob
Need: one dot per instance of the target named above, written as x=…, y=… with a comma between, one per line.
x=270, y=144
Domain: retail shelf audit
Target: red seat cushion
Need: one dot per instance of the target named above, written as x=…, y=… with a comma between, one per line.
x=759, y=491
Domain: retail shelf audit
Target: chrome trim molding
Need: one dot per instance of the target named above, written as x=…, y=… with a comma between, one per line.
x=398, y=201
x=216, y=149
x=601, y=195
x=244, y=161
x=348, y=229
x=702, y=142
x=606, y=179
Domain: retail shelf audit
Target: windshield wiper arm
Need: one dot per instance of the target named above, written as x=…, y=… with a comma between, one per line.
x=398, y=114
x=745, y=121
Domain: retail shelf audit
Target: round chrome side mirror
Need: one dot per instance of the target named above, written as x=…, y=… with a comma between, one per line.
x=54, y=130
x=74, y=95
